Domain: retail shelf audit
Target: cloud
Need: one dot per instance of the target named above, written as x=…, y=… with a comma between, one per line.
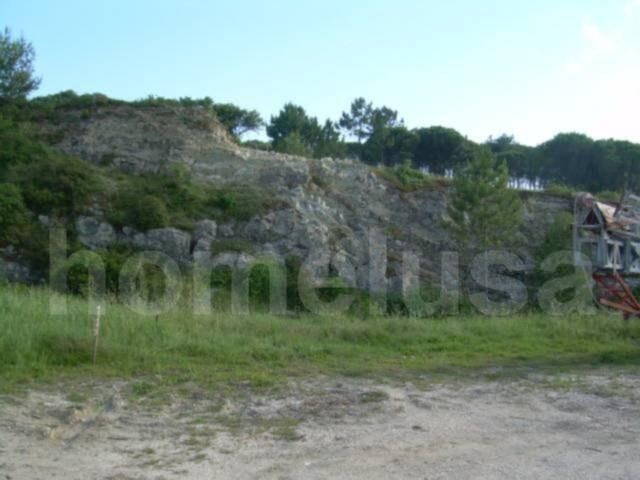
x=597, y=45
x=596, y=40
x=598, y=91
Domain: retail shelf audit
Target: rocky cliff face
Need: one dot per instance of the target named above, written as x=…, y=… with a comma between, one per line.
x=330, y=207
x=136, y=139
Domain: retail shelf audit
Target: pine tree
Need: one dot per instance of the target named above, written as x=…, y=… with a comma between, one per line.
x=484, y=212
x=16, y=68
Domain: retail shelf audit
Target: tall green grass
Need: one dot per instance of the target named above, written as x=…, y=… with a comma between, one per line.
x=259, y=348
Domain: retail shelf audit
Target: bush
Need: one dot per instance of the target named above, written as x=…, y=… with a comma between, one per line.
x=13, y=213
x=48, y=107
x=293, y=144
x=17, y=147
x=74, y=274
x=408, y=179
x=184, y=201
x=142, y=212
x=560, y=189
x=56, y=183
x=259, y=287
x=258, y=145
x=114, y=259
x=609, y=196
x=557, y=238
x=240, y=203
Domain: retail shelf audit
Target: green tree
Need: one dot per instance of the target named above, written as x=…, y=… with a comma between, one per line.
x=237, y=120
x=437, y=148
x=363, y=119
x=389, y=146
x=293, y=144
x=483, y=211
x=570, y=158
x=17, y=78
x=293, y=119
x=357, y=121
x=293, y=131
x=384, y=117
x=329, y=143
x=523, y=162
x=388, y=141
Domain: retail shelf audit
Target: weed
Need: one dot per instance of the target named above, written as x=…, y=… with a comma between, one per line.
x=262, y=350
x=373, y=396
x=407, y=179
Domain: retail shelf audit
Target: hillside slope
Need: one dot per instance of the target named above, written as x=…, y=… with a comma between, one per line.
x=318, y=208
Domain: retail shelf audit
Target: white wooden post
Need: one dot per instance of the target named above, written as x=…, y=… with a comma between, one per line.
x=96, y=333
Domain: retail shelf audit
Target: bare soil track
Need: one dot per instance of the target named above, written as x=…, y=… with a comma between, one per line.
x=583, y=426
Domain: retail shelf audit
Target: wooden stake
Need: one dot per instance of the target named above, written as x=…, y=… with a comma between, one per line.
x=96, y=333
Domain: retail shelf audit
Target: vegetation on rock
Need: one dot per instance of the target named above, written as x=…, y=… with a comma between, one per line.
x=483, y=211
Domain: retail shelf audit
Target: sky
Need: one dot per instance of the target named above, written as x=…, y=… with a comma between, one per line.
x=528, y=69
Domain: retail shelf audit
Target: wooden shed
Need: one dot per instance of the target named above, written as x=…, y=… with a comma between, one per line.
x=608, y=234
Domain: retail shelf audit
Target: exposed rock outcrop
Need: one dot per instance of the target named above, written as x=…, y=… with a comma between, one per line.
x=335, y=208
x=170, y=241
x=95, y=234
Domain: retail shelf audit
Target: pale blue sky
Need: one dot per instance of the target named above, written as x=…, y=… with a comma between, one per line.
x=530, y=69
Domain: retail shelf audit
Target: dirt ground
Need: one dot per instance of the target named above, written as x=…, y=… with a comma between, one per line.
x=584, y=426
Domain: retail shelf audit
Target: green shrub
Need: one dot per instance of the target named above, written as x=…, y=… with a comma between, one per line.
x=17, y=146
x=57, y=183
x=242, y=203
x=293, y=144
x=185, y=200
x=51, y=106
x=258, y=145
x=149, y=282
x=13, y=213
x=114, y=258
x=220, y=282
x=32, y=241
x=152, y=213
x=408, y=179
x=557, y=238
x=608, y=196
x=560, y=189
x=259, y=287
x=146, y=212
x=293, y=264
x=73, y=275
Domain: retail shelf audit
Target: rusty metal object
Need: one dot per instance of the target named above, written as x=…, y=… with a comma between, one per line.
x=606, y=238
x=613, y=292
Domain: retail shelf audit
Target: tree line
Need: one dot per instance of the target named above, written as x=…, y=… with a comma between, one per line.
x=373, y=134
x=377, y=136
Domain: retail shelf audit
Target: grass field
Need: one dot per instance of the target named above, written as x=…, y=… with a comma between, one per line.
x=264, y=349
